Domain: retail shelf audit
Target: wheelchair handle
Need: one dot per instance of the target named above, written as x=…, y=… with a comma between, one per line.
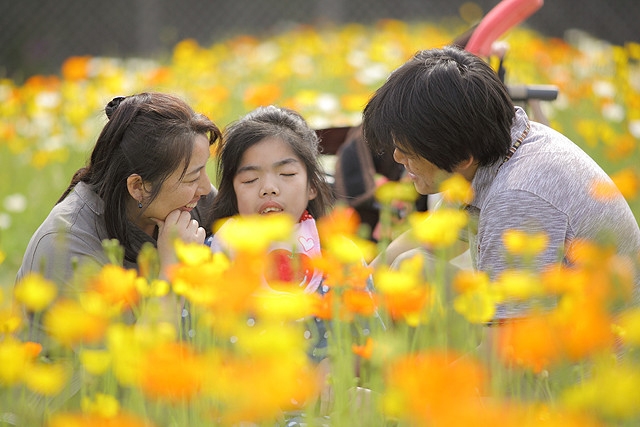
x=530, y=92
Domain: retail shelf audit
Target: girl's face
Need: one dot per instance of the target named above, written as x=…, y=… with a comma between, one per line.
x=272, y=179
x=182, y=194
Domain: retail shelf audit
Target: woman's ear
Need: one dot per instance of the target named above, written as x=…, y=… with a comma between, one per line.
x=135, y=186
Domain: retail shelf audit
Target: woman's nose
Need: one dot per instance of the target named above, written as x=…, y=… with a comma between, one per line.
x=204, y=186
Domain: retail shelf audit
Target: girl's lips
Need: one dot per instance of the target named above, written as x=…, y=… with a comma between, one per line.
x=270, y=207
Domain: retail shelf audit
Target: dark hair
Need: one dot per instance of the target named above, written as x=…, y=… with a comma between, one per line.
x=265, y=122
x=149, y=134
x=445, y=105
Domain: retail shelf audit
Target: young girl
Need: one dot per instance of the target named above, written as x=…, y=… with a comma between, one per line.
x=268, y=164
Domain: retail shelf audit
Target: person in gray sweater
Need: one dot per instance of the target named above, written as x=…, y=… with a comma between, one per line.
x=446, y=111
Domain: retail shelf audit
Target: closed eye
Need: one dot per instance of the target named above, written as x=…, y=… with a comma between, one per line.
x=249, y=181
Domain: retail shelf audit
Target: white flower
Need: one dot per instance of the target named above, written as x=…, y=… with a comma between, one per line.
x=15, y=203
x=5, y=221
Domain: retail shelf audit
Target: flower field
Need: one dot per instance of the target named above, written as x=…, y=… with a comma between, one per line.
x=412, y=354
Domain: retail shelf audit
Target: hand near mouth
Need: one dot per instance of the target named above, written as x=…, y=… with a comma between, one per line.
x=177, y=225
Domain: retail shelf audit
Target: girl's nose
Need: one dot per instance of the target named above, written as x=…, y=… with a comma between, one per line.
x=269, y=188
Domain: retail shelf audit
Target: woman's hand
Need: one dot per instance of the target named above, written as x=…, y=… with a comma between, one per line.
x=177, y=225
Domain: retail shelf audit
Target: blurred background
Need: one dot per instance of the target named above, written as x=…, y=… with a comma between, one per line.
x=36, y=36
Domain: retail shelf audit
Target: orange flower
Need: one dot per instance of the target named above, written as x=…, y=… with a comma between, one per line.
x=406, y=304
x=584, y=328
x=171, y=372
x=359, y=301
x=531, y=342
x=604, y=191
x=245, y=386
x=628, y=182
x=430, y=387
x=76, y=68
x=365, y=351
x=323, y=306
x=260, y=95
x=341, y=221
x=117, y=285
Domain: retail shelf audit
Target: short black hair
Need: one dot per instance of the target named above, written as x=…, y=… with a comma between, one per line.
x=444, y=105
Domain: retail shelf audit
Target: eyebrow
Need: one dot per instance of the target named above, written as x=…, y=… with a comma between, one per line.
x=277, y=164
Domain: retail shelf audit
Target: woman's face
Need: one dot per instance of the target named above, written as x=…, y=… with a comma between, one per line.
x=181, y=193
x=272, y=179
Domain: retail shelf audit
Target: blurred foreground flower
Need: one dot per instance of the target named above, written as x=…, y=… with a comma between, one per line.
x=35, y=292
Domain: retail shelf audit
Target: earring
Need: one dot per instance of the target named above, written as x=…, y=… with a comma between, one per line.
x=140, y=205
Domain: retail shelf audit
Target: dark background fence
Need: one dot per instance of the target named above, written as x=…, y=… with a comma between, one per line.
x=37, y=35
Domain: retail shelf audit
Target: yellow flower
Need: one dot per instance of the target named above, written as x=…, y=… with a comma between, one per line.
x=477, y=306
x=102, y=405
x=611, y=391
x=629, y=326
x=403, y=293
x=440, y=228
x=271, y=338
x=522, y=243
x=192, y=253
x=388, y=280
x=95, y=362
x=14, y=359
x=456, y=189
x=10, y=320
x=392, y=191
x=350, y=250
x=35, y=292
x=291, y=305
x=46, y=379
x=69, y=323
x=470, y=280
x=254, y=233
x=157, y=288
x=518, y=285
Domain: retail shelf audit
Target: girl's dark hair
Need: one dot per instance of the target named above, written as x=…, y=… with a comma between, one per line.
x=149, y=134
x=444, y=105
x=265, y=122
